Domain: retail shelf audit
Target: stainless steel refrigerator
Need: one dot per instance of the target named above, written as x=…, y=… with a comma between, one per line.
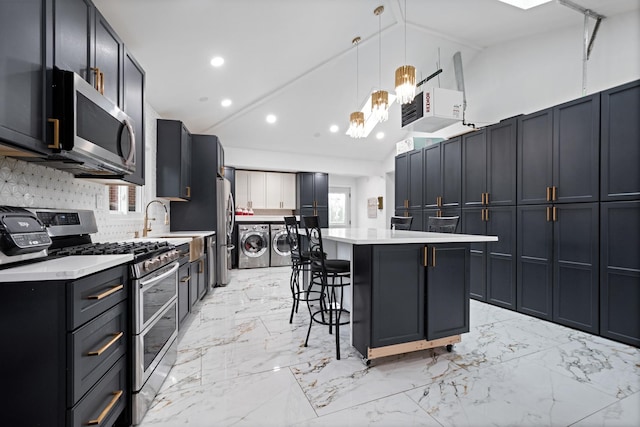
x=226, y=221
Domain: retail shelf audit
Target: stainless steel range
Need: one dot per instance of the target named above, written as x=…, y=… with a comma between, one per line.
x=154, y=302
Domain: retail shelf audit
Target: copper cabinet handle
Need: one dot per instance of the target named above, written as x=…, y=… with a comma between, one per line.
x=433, y=257
x=482, y=199
x=111, y=342
x=185, y=279
x=548, y=194
x=548, y=213
x=486, y=215
x=56, y=134
x=107, y=409
x=113, y=290
x=101, y=82
x=482, y=214
x=439, y=201
x=188, y=190
x=424, y=260
x=201, y=266
x=554, y=190
x=486, y=198
x=555, y=213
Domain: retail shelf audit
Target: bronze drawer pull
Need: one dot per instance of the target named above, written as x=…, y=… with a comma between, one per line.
x=554, y=194
x=548, y=213
x=555, y=213
x=102, y=349
x=113, y=290
x=433, y=257
x=548, y=194
x=185, y=279
x=106, y=410
x=425, y=263
x=56, y=134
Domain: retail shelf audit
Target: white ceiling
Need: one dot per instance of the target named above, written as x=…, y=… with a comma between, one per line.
x=294, y=59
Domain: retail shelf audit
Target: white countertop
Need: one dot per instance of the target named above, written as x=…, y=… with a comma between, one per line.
x=383, y=236
x=66, y=268
x=172, y=240
x=262, y=218
x=172, y=234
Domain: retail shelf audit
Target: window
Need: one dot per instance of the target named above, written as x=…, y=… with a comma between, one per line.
x=339, y=204
x=123, y=198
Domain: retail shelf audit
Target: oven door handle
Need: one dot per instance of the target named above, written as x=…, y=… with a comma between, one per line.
x=159, y=278
x=131, y=158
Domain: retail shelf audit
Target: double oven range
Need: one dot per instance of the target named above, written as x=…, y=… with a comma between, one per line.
x=154, y=294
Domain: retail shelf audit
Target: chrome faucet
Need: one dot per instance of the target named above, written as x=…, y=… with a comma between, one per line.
x=146, y=228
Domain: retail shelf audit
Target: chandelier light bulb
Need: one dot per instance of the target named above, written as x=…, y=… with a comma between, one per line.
x=380, y=105
x=356, y=125
x=405, y=84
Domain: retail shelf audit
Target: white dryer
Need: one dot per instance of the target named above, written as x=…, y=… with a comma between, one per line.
x=280, y=250
x=253, y=240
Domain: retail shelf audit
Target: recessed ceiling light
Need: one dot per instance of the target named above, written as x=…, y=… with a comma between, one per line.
x=217, y=61
x=225, y=102
x=525, y=4
x=334, y=128
x=271, y=118
x=380, y=135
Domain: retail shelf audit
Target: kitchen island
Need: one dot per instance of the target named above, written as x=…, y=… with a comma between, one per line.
x=409, y=289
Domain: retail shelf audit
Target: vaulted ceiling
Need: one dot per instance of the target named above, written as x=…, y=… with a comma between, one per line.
x=295, y=59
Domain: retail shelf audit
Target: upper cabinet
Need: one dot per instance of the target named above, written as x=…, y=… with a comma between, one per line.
x=312, y=195
x=133, y=80
x=23, y=77
x=280, y=190
x=173, y=163
x=620, y=150
x=442, y=174
x=489, y=165
x=558, y=153
x=250, y=189
x=86, y=44
x=409, y=178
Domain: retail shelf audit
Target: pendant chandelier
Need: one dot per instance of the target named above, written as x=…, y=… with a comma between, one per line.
x=356, y=119
x=405, y=74
x=380, y=98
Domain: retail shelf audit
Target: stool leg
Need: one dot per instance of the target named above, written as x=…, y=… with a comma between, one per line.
x=294, y=290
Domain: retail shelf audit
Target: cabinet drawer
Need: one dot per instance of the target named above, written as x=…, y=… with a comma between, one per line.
x=94, y=348
x=94, y=294
x=105, y=402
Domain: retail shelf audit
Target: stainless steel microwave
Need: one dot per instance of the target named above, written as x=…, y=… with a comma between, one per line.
x=91, y=135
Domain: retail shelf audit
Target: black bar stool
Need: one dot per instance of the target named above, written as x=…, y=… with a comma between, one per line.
x=401, y=222
x=300, y=261
x=332, y=275
x=442, y=224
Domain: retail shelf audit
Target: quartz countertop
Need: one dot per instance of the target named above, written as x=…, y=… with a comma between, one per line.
x=383, y=236
x=174, y=234
x=66, y=268
x=262, y=218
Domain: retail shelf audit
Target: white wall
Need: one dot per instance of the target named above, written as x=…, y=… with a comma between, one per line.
x=370, y=186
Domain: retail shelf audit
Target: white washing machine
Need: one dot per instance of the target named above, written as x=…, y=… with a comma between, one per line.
x=280, y=250
x=253, y=240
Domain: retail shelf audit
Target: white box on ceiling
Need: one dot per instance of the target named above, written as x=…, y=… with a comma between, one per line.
x=432, y=109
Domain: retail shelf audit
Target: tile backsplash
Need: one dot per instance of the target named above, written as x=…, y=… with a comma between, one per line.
x=31, y=185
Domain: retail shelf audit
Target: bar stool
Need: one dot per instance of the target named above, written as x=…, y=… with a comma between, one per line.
x=300, y=261
x=442, y=224
x=330, y=274
x=401, y=222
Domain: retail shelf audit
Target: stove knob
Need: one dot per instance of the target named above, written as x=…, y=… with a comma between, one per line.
x=164, y=257
x=147, y=265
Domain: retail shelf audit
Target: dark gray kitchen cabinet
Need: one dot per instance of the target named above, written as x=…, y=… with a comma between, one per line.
x=558, y=153
x=397, y=294
x=108, y=60
x=493, y=264
x=489, y=165
x=620, y=271
x=196, y=271
x=558, y=263
x=442, y=165
x=409, y=180
x=402, y=180
x=447, y=296
x=199, y=213
x=202, y=273
x=75, y=38
x=312, y=195
x=173, y=162
x=221, y=172
x=133, y=86
x=24, y=77
x=432, y=186
x=54, y=371
x=410, y=292
x=620, y=150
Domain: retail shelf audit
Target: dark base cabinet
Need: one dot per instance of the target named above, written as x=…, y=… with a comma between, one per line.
x=51, y=370
x=620, y=271
x=184, y=277
x=493, y=265
x=396, y=299
x=558, y=263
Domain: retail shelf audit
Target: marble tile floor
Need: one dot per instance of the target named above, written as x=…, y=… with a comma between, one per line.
x=241, y=363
